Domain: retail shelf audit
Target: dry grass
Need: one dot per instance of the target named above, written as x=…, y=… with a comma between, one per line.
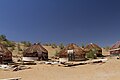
x=51, y=51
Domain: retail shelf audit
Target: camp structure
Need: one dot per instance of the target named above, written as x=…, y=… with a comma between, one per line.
x=93, y=47
x=35, y=52
x=71, y=52
x=115, y=49
x=5, y=55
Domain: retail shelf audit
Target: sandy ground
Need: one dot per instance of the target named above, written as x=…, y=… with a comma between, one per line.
x=106, y=71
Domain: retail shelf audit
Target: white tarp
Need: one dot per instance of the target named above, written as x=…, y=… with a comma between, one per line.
x=52, y=63
x=103, y=60
x=63, y=59
x=4, y=67
x=70, y=51
x=29, y=58
x=17, y=78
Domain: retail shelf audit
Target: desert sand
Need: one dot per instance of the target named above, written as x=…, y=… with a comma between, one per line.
x=100, y=71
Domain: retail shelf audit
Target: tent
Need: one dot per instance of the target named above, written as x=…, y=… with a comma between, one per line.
x=115, y=49
x=73, y=52
x=36, y=52
x=5, y=54
x=95, y=47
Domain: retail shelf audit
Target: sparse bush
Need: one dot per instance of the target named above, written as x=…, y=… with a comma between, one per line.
x=19, y=53
x=107, y=48
x=12, y=48
x=61, y=46
x=8, y=43
x=56, y=53
x=18, y=46
x=26, y=43
x=3, y=38
x=5, y=41
x=91, y=54
x=47, y=44
x=83, y=45
x=54, y=45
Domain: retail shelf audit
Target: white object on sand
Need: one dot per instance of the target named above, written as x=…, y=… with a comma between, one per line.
x=29, y=58
x=17, y=78
x=4, y=67
x=63, y=59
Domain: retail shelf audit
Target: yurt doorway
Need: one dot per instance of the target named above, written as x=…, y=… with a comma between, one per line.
x=42, y=56
x=71, y=56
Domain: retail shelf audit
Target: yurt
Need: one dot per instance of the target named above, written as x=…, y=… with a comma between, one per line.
x=5, y=54
x=115, y=49
x=35, y=52
x=72, y=52
x=93, y=46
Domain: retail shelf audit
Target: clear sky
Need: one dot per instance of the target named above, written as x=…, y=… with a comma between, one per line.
x=66, y=21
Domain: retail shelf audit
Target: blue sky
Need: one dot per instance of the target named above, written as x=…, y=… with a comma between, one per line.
x=66, y=21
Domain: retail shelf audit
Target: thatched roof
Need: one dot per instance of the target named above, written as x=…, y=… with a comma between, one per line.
x=92, y=46
x=77, y=50
x=5, y=52
x=35, y=48
x=116, y=45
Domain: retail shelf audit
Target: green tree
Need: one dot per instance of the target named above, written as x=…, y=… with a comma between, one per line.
x=3, y=38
